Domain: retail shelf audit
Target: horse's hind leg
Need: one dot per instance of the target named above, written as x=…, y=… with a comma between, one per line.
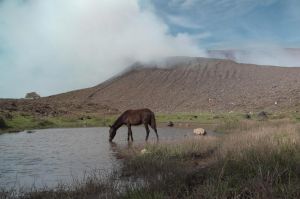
x=156, y=134
x=155, y=130
x=147, y=131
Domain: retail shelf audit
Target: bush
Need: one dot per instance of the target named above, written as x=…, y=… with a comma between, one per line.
x=3, y=124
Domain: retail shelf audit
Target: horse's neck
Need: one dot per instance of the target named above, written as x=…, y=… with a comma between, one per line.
x=118, y=123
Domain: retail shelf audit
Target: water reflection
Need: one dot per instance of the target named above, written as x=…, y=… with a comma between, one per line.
x=49, y=156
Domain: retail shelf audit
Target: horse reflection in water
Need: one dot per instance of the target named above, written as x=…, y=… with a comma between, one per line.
x=116, y=149
x=134, y=117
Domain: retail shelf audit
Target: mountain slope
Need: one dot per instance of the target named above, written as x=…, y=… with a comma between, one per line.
x=192, y=85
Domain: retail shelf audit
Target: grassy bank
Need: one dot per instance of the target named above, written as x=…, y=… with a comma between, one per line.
x=224, y=121
x=260, y=161
x=20, y=122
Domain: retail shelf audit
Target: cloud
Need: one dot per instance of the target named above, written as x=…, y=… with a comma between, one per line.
x=212, y=12
x=226, y=5
x=268, y=55
x=183, y=22
x=52, y=46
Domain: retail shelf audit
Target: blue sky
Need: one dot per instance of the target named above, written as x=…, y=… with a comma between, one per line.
x=54, y=46
x=233, y=23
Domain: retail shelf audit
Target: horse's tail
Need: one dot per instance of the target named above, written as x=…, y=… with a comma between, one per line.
x=153, y=122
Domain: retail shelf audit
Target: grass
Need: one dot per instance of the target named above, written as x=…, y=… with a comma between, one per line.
x=204, y=117
x=261, y=160
x=223, y=121
x=255, y=163
x=92, y=186
x=21, y=121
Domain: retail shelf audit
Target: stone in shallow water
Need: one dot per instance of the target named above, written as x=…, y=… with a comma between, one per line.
x=170, y=124
x=200, y=131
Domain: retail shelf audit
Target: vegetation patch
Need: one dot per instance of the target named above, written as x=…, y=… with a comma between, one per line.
x=3, y=124
x=258, y=162
x=223, y=122
x=23, y=121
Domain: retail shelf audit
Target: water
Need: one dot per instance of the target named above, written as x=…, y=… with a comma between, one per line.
x=48, y=157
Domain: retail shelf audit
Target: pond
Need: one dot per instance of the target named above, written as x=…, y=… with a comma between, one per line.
x=51, y=156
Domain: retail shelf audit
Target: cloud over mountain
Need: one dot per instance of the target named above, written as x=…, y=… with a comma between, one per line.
x=52, y=46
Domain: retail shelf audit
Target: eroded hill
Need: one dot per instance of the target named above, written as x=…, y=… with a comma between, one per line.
x=185, y=85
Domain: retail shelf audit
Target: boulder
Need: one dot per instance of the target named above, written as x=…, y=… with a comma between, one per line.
x=170, y=124
x=144, y=151
x=200, y=131
x=262, y=115
x=248, y=116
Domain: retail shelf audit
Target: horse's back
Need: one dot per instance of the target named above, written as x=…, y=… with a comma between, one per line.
x=138, y=111
x=137, y=116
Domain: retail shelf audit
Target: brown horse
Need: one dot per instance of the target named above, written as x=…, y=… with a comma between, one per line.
x=134, y=117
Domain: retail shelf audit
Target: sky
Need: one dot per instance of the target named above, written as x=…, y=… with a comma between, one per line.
x=54, y=46
x=233, y=23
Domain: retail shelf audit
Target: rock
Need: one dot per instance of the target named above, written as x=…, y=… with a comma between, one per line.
x=170, y=124
x=144, y=151
x=200, y=131
x=30, y=131
x=262, y=115
x=248, y=116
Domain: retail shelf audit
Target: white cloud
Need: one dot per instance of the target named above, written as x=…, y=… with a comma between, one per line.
x=216, y=11
x=52, y=45
x=268, y=54
x=183, y=22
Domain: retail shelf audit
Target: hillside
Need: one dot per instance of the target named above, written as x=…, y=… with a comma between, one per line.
x=183, y=85
x=195, y=84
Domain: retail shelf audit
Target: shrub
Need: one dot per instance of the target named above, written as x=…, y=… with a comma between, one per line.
x=3, y=124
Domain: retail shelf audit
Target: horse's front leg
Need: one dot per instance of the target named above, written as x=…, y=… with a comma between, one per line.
x=128, y=135
x=130, y=132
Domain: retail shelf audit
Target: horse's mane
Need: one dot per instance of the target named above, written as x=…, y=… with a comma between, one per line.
x=119, y=120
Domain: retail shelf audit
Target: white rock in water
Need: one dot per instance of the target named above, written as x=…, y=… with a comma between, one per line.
x=143, y=151
x=200, y=131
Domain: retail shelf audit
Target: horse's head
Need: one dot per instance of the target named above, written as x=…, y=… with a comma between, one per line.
x=112, y=132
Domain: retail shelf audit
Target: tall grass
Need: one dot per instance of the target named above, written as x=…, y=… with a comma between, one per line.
x=260, y=162
x=94, y=185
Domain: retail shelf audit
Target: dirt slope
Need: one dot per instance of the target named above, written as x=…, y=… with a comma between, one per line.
x=192, y=85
